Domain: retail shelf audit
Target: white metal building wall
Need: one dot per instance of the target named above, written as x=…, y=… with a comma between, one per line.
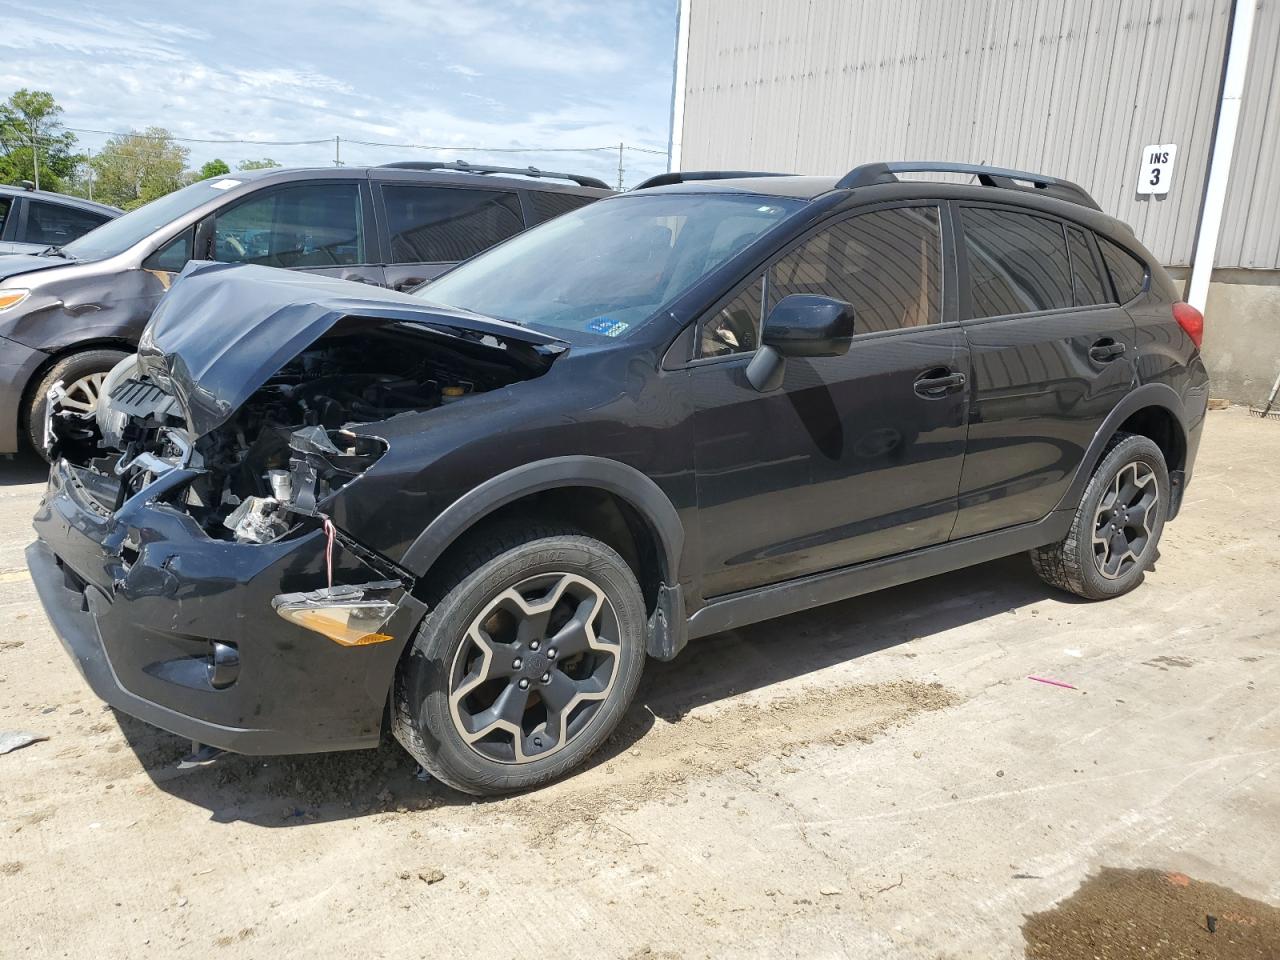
x=1068, y=87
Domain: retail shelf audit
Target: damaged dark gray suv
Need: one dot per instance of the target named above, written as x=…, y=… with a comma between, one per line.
x=313, y=512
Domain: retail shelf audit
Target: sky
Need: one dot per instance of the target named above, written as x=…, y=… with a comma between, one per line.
x=515, y=74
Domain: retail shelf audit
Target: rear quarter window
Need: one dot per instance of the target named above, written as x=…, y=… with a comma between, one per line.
x=548, y=205
x=1128, y=273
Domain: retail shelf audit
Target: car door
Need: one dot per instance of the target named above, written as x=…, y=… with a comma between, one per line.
x=854, y=457
x=430, y=227
x=318, y=226
x=1053, y=353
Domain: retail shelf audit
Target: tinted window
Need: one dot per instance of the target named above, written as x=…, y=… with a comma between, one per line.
x=887, y=264
x=314, y=225
x=443, y=224
x=55, y=224
x=549, y=205
x=604, y=269
x=173, y=256
x=1086, y=279
x=1017, y=263
x=4, y=212
x=735, y=327
x=1127, y=272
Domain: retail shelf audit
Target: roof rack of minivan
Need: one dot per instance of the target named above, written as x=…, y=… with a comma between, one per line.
x=462, y=166
x=689, y=176
x=873, y=173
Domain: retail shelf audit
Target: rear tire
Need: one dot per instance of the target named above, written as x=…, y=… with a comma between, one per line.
x=82, y=374
x=483, y=699
x=1116, y=529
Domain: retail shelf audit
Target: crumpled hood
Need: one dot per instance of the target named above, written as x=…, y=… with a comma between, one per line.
x=223, y=330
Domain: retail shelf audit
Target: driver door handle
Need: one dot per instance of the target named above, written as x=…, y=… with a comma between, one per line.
x=937, y=383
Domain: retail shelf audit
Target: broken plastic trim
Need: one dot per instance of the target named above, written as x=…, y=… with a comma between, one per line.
x=347, y=614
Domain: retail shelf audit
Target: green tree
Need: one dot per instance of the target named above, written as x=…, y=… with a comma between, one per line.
x=266, y=163
x=214, y=168
x=34, y=116
x=135, y=168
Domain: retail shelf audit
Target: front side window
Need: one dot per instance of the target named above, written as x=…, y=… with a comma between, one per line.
x=5, y=203
x=173, y=256
x=313, y=225
x=605, y=269
x=1018, y=263
x=55, y=224
x=1127, y=272
x=447, y=224
x=888, y=264
x=735, y=327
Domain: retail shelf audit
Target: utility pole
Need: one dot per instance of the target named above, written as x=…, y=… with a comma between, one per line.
x=337, y=151
x=35, y=152
x=619, y=168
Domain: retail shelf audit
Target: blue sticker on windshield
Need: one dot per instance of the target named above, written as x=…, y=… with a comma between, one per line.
x=607, y=327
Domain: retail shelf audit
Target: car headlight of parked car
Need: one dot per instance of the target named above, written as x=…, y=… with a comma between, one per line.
x=12, y=297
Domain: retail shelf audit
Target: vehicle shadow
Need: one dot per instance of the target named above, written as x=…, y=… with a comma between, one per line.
x=22, y=468
x=288, y=791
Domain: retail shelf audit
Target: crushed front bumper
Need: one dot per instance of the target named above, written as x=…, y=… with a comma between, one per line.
x=143, y=599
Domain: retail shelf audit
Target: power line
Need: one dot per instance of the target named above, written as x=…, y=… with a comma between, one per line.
x=365, y=143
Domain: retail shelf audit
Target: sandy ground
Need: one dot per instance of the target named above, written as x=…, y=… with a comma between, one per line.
x=877, y=778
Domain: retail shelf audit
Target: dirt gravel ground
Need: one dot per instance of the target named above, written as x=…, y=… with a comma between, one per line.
x=876, y=778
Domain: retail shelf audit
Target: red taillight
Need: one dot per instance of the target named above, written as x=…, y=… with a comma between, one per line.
x=1191, y=320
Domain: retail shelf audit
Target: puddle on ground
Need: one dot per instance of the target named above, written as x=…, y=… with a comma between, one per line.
x=1127, y=914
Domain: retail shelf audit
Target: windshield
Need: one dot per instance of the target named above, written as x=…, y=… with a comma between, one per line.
x=606, y=268
x=118, y=235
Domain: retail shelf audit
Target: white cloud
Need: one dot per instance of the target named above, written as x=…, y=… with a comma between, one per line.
x=517, y=75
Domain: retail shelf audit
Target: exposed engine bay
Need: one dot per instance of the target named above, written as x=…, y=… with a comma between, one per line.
x=291, y=445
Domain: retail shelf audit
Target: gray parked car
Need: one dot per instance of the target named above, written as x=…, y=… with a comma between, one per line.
x=34, y=220
x=75, y=311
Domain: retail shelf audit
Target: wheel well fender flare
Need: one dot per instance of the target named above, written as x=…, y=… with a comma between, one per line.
x=612, y=476
x=1145, y=396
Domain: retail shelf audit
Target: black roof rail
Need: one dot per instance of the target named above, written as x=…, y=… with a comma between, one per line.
x=687, y=176
x=872, y=173
x=462, y=166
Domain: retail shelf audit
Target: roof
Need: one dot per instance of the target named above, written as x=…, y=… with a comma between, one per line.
x=449, y=175
x=65, y=199
x=879, y=173
x=776, y=185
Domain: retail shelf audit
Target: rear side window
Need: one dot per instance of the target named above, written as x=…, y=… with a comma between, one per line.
x=1086, y=278
x=312, y=225
x=1018, y=263
x=446, y=224
x=54, y=224
x=5, y=203
x=888, y=264
x=1128, y=273
x=548, y=205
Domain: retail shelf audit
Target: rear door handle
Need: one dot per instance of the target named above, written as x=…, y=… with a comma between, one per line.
x=936, y=383
x=1106, y=349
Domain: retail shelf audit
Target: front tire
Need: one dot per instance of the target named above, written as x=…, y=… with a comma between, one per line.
x=1116, y=528
x=526, y=663
x=82, y=375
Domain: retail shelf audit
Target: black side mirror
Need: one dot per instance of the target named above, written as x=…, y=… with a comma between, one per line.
x=801, y=325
